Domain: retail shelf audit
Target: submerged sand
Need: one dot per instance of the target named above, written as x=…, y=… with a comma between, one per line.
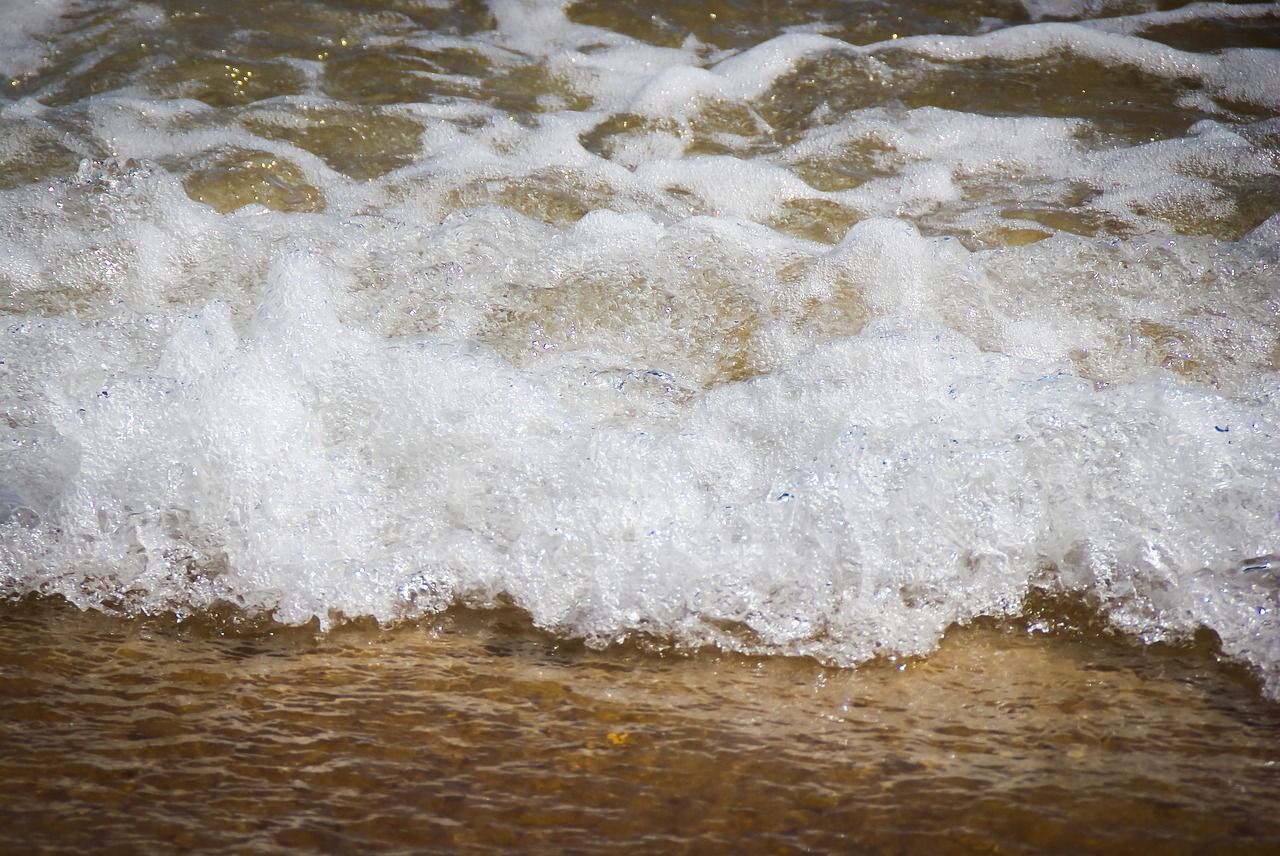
x=475, y=732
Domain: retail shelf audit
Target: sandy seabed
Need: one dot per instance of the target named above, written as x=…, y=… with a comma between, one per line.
x=475, y=732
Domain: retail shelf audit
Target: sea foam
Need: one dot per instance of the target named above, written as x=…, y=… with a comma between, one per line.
x=677, y=345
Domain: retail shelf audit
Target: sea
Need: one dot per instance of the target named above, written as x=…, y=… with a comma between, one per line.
x=551, y=426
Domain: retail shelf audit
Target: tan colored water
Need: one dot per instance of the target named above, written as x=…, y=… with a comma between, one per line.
x=476, y=733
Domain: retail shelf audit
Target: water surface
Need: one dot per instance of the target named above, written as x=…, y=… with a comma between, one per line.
x=670, y=372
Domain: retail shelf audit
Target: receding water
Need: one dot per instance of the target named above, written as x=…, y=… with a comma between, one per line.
x=710, y=426
x=476, y=733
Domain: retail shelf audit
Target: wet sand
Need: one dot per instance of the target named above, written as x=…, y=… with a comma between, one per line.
x=475, y=732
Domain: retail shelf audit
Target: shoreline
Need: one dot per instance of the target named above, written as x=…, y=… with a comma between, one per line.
x=475, y=732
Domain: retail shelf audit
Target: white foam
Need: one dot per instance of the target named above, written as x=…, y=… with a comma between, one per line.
x=1139, y=23
x=890, y=264
x=903, y=479
x=1250, y=76
x=23, y=37
x=1242, y=74
x=667, y=417
x=1180, y=174
x=730, y=186
x=751, y=73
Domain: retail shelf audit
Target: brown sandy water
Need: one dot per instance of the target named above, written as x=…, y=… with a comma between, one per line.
x=477, y=733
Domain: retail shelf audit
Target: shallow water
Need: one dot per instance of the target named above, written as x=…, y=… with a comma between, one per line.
x=474, y=733
x=735, y=353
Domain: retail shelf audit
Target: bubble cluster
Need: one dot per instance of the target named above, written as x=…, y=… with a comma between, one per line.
x=794, y=342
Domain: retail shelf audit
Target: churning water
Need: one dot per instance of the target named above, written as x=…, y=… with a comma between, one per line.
x=811, y=328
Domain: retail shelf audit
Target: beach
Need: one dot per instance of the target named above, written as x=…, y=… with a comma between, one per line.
x=537, y=426
x=477, y=733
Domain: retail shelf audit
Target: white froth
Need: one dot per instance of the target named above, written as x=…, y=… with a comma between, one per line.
x=730, y=186
x=903, y=478
x=1248, y=75
x=535, y=26
x=890, y=264
x=1251, y=76
x=1137, y=24
x=1184, y=174
x=1035, y=41
x=668, y=416
x=752, y=72
x=25, y=27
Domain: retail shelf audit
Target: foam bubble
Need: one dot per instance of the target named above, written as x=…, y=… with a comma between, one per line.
x=902, y=478
x=752, y=72
x=23, y=43
x=658, y=340
x=1242, y=74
